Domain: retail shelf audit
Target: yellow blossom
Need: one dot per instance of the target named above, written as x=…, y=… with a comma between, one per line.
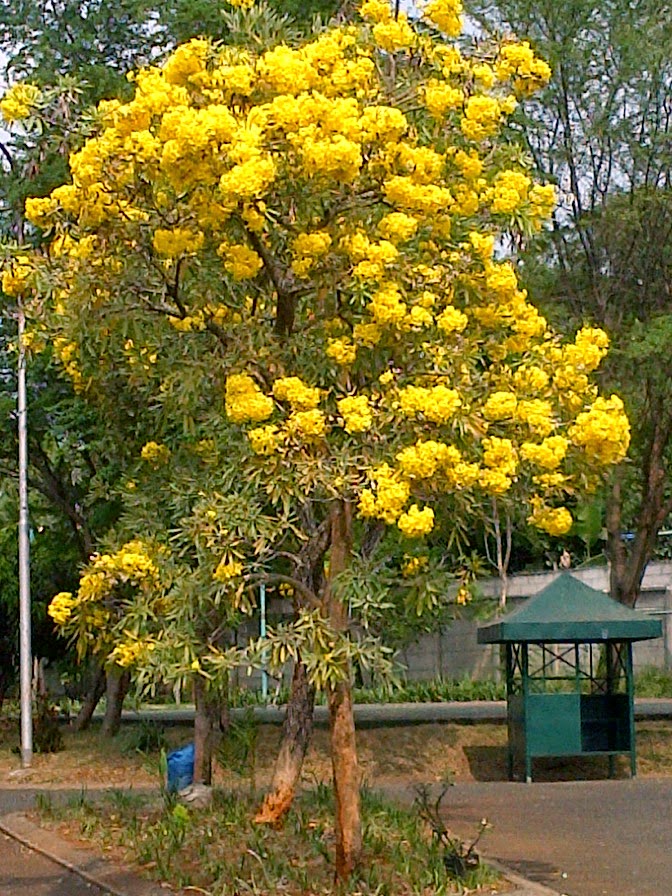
x=245, y=402
x=61, y=607
x=227, y=569
x=19, y=101
x=155, y=453
x=293, y=390
x=416, y=522
x=356, y=412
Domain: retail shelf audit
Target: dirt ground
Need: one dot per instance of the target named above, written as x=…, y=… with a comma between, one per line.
x=401, y=755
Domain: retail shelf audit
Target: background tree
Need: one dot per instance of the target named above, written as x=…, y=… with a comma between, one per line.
x=601, y=131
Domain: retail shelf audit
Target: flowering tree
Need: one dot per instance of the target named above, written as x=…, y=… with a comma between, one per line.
x=294, y=254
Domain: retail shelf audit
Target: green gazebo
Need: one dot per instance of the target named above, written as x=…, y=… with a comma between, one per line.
x=569, y=679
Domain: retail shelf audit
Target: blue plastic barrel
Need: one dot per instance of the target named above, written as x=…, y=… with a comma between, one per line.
x=180, y=768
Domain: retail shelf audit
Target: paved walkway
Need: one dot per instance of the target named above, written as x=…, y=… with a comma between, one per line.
x=24, y=872
x=580, y=838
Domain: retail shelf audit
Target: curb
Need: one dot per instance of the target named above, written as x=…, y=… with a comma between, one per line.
x=524, y=886
x=103, y=873
x=371, y=715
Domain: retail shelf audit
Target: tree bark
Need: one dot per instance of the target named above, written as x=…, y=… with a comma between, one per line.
x=628, y=561
x=298, y=725
x=341, y=717
x=296, y=733
x=205, y=722
x=117, y=684
x=92, y=698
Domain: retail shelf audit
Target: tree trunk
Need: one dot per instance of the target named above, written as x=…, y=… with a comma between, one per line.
x=117, y=684
x=205, y=722
x=341, y=717
x=91, y=700
x=296, y=733
x=346, y=779
x=628, y=561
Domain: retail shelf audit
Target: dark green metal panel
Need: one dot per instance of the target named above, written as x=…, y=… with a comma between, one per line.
x=554, y=724
x=568, y=611
x=605, y=723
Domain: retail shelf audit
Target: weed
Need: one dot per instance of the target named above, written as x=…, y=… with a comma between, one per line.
x=44, y=803
x=237, y=751
x=145, y=737
x=460, y=860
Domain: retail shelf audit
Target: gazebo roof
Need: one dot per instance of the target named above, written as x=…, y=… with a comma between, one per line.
x=568, y=611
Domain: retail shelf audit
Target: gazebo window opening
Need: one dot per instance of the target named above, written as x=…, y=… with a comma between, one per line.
x=570, y=668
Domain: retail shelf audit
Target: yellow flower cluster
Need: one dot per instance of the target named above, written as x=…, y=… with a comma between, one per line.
x=179, y=241
x=131, y=563
x=16, y=276
x=394, y=34
x=446, y=15
x=511, y=190
x=131, y=653
x=537, y=414
x=307, y=247
x=452, y=320
x=413, y=565
x=549, y=454
x=554, y=520
x=603, y=432
x=61, y=607
x=155, y=453
x=590, y=346
x=244, y=400
x=387, y=307
x=264, y=439
x=307, y=425
x=241, y=262
x=66, y=352
x=293, y=390
x=435, y=403
x=422, y=460
x=20, y=101
x=482, y=117
x=356, y=412
x=440, y=97
x=500, y=406
x=416, y=522
x=398, y=227
x=227, y=569
x=342, y=351
x=500, y=454
x=390, y=495
x=518, y=62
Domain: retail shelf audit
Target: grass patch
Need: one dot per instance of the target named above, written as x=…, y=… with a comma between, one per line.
x=653, y=682
x=222, y=852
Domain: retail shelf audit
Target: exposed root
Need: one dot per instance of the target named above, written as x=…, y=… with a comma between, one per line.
x=275, y=806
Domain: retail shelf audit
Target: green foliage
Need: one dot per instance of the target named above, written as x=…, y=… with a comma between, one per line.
x=47, y=734
x=145, y=737
x=237, y=750
x=653, y=682
x=219, y=849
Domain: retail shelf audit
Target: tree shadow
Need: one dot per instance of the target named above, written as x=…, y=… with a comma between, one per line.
x=489, y=763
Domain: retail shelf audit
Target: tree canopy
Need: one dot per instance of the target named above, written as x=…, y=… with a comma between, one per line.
x=288, y=257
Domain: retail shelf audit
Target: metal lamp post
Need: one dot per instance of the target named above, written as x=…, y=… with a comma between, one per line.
x=25, y=649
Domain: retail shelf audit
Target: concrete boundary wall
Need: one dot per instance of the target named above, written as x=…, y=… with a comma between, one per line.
x=453, y=652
